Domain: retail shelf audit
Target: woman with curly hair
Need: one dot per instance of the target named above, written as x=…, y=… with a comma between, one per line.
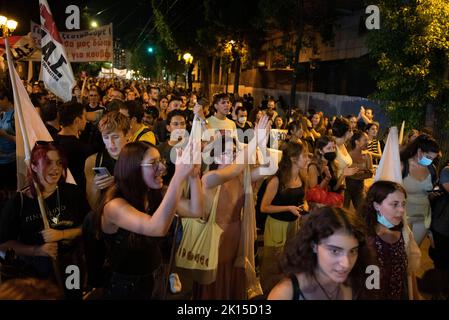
x=326, y=260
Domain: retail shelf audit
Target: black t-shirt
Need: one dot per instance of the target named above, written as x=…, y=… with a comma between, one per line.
x=52, y=130
x=91, y=135
x=23, y=222
x=76, y=152
x=160, y=130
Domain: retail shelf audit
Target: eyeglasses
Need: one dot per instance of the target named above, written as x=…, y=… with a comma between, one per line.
x=156, y=165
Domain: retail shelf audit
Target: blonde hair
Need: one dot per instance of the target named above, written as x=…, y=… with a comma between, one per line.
x=113, y=121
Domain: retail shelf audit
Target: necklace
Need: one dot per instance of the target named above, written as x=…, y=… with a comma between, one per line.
x=329, y=296
x=55, y=217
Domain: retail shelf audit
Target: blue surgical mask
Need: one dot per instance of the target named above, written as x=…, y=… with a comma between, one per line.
x=424, y=161
x=383, y=221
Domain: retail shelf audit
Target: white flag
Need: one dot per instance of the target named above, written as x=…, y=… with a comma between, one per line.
x=390, y=164
x=57, y=72
x=28, y=131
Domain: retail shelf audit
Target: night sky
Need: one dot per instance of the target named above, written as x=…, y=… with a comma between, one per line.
x=132, y=19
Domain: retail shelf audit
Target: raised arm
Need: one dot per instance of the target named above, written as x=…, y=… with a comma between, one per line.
x=118, y=212
x=193, y=207
x=217, y=177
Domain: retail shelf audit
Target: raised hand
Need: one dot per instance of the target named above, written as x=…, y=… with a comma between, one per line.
x=184, y=162
x=262, y=129
x=198, y=110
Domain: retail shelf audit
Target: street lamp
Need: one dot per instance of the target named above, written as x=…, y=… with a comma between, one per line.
x=94, y=24
x=188, y=58
x=8, y=26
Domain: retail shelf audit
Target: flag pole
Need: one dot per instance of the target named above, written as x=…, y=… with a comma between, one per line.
x=23, y=128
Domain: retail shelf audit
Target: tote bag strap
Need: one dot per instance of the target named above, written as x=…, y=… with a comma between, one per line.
x=213, y=212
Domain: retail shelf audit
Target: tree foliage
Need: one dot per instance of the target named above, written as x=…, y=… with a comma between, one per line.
x=412, y=51
x=300, y=21
x=163, y=29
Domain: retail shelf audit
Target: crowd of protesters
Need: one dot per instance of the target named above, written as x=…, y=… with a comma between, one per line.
x=322, y=219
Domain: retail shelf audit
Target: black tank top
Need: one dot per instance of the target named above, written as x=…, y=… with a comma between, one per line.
x=103, y=159
x=132, y=254
x=288, y=197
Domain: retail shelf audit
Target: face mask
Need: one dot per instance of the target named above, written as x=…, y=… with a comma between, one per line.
x=383, y=221
x=424, y=161
x=242, y=120
x=330, y=156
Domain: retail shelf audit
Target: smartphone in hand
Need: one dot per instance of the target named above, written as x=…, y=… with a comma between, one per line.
x=101, y=171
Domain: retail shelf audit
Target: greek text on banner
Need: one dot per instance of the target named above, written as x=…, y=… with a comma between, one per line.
x=84, y=45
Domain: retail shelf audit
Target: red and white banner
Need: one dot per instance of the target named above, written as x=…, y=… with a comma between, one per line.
x=57, y=72
x=84, y=45
x=22, y=48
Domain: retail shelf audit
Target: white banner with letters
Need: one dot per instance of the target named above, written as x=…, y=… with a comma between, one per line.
x=84, y=45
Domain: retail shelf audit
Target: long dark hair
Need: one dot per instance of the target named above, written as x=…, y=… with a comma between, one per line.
x=358, y=134
x=291, y=149
x=378, y=192
x=322, y=223
x=340, y=127
x=424, y=142
x=320, y=143
x=129, y=183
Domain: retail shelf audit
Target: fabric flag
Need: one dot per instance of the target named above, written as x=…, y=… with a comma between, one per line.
x=57, y=72
x=390, y=164
x=30, y=130
x=22, y=47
